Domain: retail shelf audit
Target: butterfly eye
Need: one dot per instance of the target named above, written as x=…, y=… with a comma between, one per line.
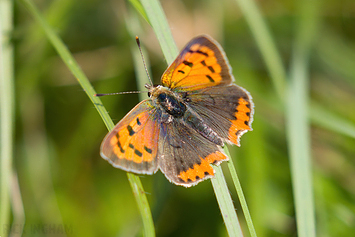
x=149, y=94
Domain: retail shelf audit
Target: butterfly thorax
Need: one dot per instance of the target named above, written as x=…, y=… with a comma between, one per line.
x=168, y=101
x=174, y=107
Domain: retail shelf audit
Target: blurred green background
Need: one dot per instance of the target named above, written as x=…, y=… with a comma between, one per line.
x=66, y=189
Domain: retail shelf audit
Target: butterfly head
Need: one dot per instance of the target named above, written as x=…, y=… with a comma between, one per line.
x=155, y=90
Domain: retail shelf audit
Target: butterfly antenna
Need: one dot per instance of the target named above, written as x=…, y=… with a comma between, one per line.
x=146, y=71
x=121, y=93
x=145, y=66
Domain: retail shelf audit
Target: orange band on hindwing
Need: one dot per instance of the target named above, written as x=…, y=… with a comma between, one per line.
x=242, y=121
x=200, y=171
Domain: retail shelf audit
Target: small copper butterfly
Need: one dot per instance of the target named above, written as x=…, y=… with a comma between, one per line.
x=181, y=128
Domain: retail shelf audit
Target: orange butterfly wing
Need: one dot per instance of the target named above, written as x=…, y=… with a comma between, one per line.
x=202, y=72
x=202, y=63
x=132, y=145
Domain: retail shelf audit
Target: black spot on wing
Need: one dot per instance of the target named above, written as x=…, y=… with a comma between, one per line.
x=189, y=64
x=211, y=69
x=138, y=122
x=119, y=143
x=198, y=51
x=120, y=146
x=203, y=53
x=210, y=78
x=138, y=153
x=148, y=150
x=130, y=130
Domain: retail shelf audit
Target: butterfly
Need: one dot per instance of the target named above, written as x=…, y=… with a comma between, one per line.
x=184, y=124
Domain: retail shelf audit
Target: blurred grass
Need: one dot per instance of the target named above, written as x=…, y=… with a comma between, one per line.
x=71, y=63
x=65, y=183
x=7, y=101
x=297, y=116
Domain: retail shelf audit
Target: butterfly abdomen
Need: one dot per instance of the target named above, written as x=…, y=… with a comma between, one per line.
x=195, y=121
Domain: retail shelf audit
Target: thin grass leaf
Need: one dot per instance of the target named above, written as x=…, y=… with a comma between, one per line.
x=298, y=128
x=241, y=196
x=139, y=8
x=265, y=43
x=69, y=60
x=162, y=30
x=225, y=203
x=7, y=105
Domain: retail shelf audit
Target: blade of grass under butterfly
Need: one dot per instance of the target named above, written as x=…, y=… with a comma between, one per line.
x=265, y=43
x=69, y=60
x=7, y=105
x=241, y=196
x=161, y=28
x=225, y=203
x=297, y=123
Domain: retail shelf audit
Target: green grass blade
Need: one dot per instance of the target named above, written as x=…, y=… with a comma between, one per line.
x=68, y=59
x=139, y=8
x=265, y=43
x=298, y=133
x=7, y=105
x=241, y=196
x=225, y=203
x=161, y=28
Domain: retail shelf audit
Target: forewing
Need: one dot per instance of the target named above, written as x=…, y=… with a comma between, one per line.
x=227, y=109
x=132, y=145
x=185, y=157
x=202, y=63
